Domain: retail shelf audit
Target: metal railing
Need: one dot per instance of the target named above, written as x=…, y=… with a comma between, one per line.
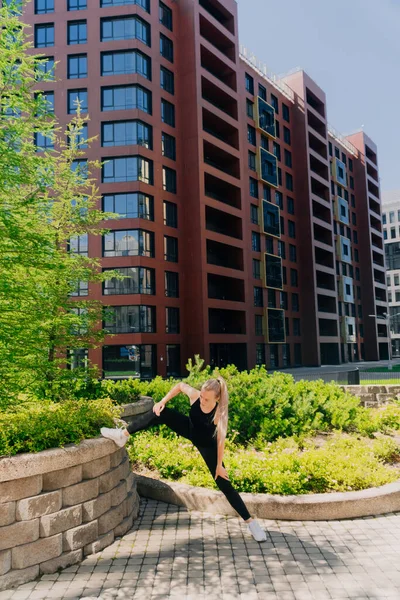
x=342, y=140
x=251, y=59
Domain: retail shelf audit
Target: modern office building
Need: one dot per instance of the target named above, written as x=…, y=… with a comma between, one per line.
x=249, y=230
x=391, y=236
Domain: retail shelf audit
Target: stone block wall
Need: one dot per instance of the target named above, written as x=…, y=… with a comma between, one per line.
x=59, y=506
x=373, y=395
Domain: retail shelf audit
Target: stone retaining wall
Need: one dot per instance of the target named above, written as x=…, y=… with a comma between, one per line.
x=60, y=505
x=373, y=395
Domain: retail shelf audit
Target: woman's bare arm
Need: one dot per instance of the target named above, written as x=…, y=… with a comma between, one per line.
x=191, y=392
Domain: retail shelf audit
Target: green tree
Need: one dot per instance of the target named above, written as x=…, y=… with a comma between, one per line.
x=48, y=201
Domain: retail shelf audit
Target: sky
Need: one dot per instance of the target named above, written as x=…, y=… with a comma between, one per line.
x=351, y=48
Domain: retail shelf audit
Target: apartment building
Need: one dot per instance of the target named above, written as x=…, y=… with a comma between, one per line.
x=249, y=231
x=391, y=236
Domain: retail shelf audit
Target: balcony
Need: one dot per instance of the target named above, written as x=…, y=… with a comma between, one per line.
x=324, y=258
x=328, y=327
x=265, y=117
x=371, y=155
x=377, y=259
x=231, y=322
x=323, y=235
x=315, y=103
x=270, y=219
x=375, y=223
x=372, y=172
x=326, y=304
x=218, y=68
x=273, y=271
x=316, y=124
x=376, y=241
x=218, y=98
x=221, y=160
x=318, y=146
x=380, y=295
x=222, y=191
x=373, y=188
x=379, y=277
x=224, y=255
x=225, y=288
x=374, y=206
x=382, y=331
x=320, y=190
x=220, y=14
x=325, y=281
x=223, y=223
x=319, y=168
x=276, y=326
x=268, y=167
x=217, y=39
x=321, y=212
x=220, y=129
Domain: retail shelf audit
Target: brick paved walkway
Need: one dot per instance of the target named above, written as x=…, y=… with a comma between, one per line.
x=173, y=554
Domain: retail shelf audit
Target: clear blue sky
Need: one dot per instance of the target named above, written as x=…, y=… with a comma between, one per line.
x=351, y=48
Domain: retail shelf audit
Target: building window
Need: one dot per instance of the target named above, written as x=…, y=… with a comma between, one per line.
x=171, y=284
x=81, y=138
x=43, y=142
x=290, y=205
x=294, y=281
x=167, y=80
x=167, y=113
x=145, y=4
x=139, y=361
x=80, y=168
x=252, y=161
x=286, y=136
x=291, y=229
x=351, y=164
x=77, y=66
x=255, y=241
x=45, y=66
x=251, y=135
x=128, y=242
x=249, y=81
x=77, y=32
x=256, y=269
x=296, y=327
x=285, y=112
x=269, y=245
x=279, y=199
x=170, y=214
x=385, y=236
x=124, y=97
x=125, y=28
x=253, y=185
x=78, y=244
x=44, y=35
x=136, y=280
x=173, y=352
x=288, y=159
x=43, y=7
x=264, y=143
x=170, y=248
x=130, y=205
x=126, y=133
x=281, y=249
x=166, y=48
x=165, y=16
x=250, y=109
x=81, y=289
x=275, y=103
x=351, y=178
x=392, y=232
x=262, y=92
x=126, y=62
x=292, y=253
x=278, y=129
x=295, y=303
x=77, y=4
x=75, y=96
x=289, y=181
x=254, y=214
x=172, y=324
x=169, y=180
x=258, y=297
x=127, y=168
x=277, y=150
x=130, y=319
x=168, y=146
x=259, y=324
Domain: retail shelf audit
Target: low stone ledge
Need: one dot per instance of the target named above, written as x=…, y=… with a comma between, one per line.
x=137, y=408
x=373, y=395
x=304, y=507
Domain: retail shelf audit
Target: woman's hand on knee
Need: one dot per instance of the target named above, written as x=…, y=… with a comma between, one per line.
x=221, y=472
x=159, y=407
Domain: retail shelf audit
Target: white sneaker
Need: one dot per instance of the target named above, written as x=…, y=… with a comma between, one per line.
x=116, y=435
x=257, y=531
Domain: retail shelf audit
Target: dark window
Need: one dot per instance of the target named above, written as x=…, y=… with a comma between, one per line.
x=166, y=48
x=81, y=289
x=262, y=92
x=258, y=296
x=139, y=361
x=288, y=159
x=125, y=28
x=351, y=164
x=130, y=205
x=284, y=276
x=125, y=62
x=170, y=214
x=286, y=136
x=253, y=183
x=269, y=245
x=81, y=137
x=271, y=298
x=255, y=241
x=292, y=253
x=281, y=249
x=43, y=142
x=256, y=269
x=77, y=66
x=289, y=181
x=283, y=301
x=258, y=324
x=353, y=200
x=47, y=99
x=355, y=237
x=250, y=108
x=127, y=168
x=270, y=214
x=172, y=320
x=167, y=80
x=277, y=150
x=168, y=146
x=296, y=327
x=277, y=129
x=77, y=32
x=75, y=96
x=330, y=149
x=170, y=248
x=290, y=205
x=285, y=112
x=124, y=97
x=279, y=199
x=252, y=161
x=167, y=112
x=128, y=242
x=291, y=229
x=275, y=103
x=254, y=214
x=264, y=143
x=77, y=4
x=145, y=4
x=353, y=218
x=268, y=168
x=43, y=7
x=169, y=180
x=356, y=256
x=80, y=167
x=266, y=117
x=337, y=152
x=126, y=133
x=45, y=66
x=249, y=81
x=165, y=16
x=351, y=182
x=130, y=319
x=171, y=284
x=294, y=281
x=137, y=280
x=173, y=354
x=295, y=303
x=267, y=193
x=44, y=35
x=251, y=135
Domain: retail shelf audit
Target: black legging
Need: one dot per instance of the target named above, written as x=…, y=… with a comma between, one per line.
x=182, y=426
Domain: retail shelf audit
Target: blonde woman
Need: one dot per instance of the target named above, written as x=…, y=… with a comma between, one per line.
x=206, y=427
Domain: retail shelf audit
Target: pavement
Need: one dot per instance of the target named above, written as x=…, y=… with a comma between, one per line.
x=173, y=554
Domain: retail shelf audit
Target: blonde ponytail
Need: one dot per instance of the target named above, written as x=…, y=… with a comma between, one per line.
x=219, y=387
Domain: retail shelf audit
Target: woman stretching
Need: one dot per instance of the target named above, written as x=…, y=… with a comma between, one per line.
x=205, y=427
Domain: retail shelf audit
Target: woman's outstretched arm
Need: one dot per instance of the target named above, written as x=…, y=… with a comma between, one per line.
x=191, y=392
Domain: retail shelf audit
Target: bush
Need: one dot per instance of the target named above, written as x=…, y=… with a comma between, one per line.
x=37, y=426
x=342, y=464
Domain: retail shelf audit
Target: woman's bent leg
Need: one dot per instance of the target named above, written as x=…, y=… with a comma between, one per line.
x=175, y=420
x=210, y=457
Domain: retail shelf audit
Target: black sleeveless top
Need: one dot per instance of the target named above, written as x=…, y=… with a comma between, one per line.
x=202, y=425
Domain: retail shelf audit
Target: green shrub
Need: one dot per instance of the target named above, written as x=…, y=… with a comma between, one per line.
x=342, y=464
x=37, y=426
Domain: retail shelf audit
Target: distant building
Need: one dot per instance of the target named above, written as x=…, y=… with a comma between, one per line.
x=391, y=236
